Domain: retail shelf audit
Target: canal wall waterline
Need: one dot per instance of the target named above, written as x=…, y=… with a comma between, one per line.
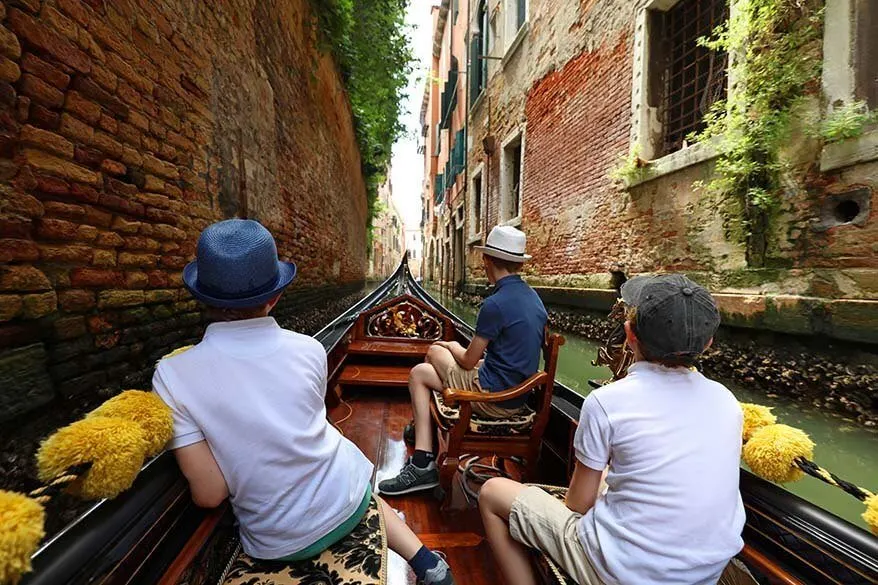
x=836, y=375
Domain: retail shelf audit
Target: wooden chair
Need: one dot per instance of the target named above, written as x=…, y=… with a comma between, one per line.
x=461, y=432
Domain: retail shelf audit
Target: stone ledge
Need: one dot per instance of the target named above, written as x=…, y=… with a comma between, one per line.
x=837, y=155
x=854, y=320
x=676, y=161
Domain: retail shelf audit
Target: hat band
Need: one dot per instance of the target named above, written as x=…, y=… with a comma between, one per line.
x=219, y=294
x=521, y=254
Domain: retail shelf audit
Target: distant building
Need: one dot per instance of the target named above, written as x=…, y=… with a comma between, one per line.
x=388, y=234
x=415, y=246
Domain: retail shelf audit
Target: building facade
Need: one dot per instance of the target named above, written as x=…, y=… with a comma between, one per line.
x=443, y=121
x=562, y=91
x=414, y=245
x=388, y=235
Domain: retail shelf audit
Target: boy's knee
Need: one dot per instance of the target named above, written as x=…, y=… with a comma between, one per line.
x=420, y=371
x=488, y=493
x=435, y=352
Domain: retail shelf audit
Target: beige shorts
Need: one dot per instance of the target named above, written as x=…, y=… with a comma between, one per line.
x=541, y=521
x=459, y=379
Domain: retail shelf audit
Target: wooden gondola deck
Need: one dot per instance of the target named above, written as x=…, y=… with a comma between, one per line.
x=376, y=426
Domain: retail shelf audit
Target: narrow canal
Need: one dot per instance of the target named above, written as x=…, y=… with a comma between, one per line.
x=843, y=447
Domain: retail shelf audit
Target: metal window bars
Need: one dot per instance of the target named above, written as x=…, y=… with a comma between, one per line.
x=695, y=77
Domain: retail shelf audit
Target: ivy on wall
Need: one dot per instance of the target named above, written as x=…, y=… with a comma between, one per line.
x=369, y=41
x=775, y=64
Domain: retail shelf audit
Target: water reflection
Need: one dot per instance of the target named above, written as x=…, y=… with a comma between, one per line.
x=843, y=447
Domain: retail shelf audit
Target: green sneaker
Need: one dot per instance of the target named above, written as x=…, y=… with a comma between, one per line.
x=411, y=479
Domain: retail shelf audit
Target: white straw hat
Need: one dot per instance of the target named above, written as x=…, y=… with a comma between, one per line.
x=507, y=243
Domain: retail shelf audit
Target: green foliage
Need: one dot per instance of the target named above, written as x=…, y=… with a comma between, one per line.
x=631, y=168
x=847, y=121
x=774, y=48
x=369, y=40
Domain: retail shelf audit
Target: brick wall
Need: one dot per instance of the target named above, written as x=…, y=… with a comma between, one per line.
x=125, y=128
x=568, y=86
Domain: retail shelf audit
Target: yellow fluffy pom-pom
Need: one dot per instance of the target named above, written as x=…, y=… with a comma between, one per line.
x=871, y=513
x=21, y=528
x=772, y=450
x=114, y=446
x=177, y=351
x=147, y=410
x=756, y=416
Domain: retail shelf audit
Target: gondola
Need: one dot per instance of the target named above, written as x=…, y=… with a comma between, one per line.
x=153, y=533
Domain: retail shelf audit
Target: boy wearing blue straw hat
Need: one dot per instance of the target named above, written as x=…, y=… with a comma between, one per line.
x=670, y=442
x=250, y=421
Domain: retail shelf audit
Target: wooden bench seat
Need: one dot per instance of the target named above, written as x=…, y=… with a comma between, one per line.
x=389, y=348
x=367, y=375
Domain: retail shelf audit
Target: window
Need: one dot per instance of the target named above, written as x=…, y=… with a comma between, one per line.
x=676, y=81
x=476, y=209
x=695, y=77
x=449, y=95
x=511, y=163
x=516, y=16
x=866, y=52
x=479, y=47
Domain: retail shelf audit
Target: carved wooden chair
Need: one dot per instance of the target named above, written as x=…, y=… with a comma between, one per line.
x=462, y=432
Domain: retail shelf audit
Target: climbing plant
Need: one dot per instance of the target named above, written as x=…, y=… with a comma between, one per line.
x=369, y=40
x=775, y=62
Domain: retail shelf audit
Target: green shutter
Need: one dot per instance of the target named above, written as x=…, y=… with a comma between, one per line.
x=475, y=68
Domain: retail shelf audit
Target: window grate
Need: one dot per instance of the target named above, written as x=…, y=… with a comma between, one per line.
x=695, y=77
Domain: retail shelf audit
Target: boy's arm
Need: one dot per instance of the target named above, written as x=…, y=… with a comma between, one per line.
x=584, y=486
x=206, y=481
x=467, y=357
x=196, y=460
x=592, y=445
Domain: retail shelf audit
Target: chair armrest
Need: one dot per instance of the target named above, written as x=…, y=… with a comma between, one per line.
x=452, y=396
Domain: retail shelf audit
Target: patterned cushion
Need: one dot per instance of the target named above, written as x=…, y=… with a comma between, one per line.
x=515, y=425
x=360, y=558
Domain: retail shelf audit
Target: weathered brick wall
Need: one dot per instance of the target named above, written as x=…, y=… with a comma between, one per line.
x=569, y=87
x=125, y=128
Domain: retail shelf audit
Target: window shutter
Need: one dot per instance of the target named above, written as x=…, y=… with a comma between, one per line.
x=475, y=68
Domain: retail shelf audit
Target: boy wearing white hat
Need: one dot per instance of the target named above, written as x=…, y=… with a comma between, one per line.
x=504, y=352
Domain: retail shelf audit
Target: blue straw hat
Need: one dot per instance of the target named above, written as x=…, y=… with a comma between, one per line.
x=236, y=266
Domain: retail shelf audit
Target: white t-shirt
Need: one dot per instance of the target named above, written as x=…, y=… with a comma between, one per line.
x=672, y=513
x=255, y=392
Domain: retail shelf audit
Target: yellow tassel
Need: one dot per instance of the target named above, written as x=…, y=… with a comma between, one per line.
x=114, y=446
x=147, y=410
x=772, y=450
x=871, y=513
x=177, y=351
x=756, y=416
x=21, y=529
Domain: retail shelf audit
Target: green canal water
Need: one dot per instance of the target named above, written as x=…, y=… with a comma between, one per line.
x=845, y=448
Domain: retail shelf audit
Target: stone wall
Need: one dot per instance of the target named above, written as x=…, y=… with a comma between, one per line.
x=125, y=128
x=567, y=84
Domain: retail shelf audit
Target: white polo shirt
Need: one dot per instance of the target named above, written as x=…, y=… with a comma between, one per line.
x=672, y=513
x=255, y=392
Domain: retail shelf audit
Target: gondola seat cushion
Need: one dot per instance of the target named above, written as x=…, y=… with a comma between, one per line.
x=360, y=558
x=516, y=425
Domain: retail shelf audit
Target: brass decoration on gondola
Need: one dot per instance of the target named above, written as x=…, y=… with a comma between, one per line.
x=615, y=353
x=404, y=320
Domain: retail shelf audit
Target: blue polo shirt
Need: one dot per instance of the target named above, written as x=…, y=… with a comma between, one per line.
x=513, y=319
